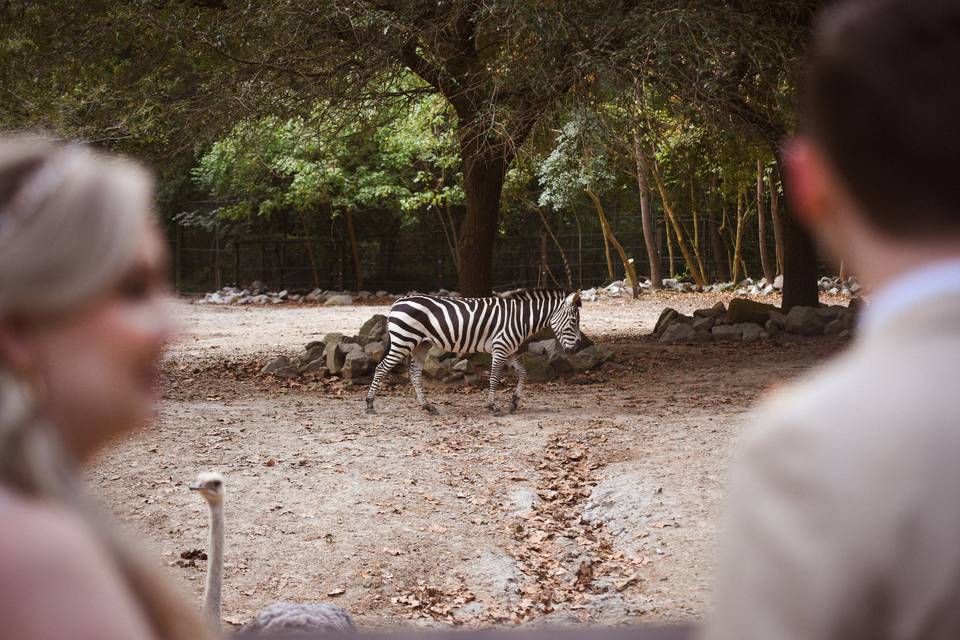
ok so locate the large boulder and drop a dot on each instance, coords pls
(313, 351)
(715, 311)
(548, 348)
(435, 364)
(677, 333)
(590, 358)
(728, 332)
(667, 317)
(316, 368)
(750, 332)
(746, 310)
(376, 351)
(703, 323)
(356, 364)
(374, 329)
(804, 321)
(280, 367)
(538, 367)
(334, 357)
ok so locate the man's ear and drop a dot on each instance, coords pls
(14, 350)
(811, 184)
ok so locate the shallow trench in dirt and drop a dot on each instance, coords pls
(595, 503)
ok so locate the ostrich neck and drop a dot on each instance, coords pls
(214, 587)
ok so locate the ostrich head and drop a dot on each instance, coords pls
(210, 486)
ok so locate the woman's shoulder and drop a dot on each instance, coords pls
(51, 562)
(36, 525)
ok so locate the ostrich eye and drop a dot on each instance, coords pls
(215, 484)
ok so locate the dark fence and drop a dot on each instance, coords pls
(585, 633)
(420, 258)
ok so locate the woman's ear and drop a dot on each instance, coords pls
(14, 346)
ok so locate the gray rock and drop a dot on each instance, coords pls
(356, 364)
(538, 367)
(728, 333)
(313, 296)
(746, 310)
(589, 358)
(667, 317)
(703, 324)
(750, 332)
(677, 333)
(778, 283)
(318, 368)
(434, 365)
(463, 366)
(700, 337)
(548, 348)
(715, 311)
(313, 351)
(376, 351)
(277, 364)
(778, 319)
(339, 300)
(334, 356)
(381, 294)
(834, 327)
(375, 328)
(804, 321)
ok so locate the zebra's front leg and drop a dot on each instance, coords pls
(416, 378)
(514, 362)
(496, 371)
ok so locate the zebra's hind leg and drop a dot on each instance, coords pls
(394, 355)
(514, 362)
(417, 357)
(496, 372)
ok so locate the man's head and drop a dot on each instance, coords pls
(875, 162)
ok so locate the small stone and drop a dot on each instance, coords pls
(339, 300)
(317, 368)
(715, 311)
(667, 316)
(778, 283)
(462, 366)
(778, 319)
(374, 328)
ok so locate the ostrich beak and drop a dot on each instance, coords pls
(195, 486)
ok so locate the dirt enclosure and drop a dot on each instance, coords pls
(595, 503)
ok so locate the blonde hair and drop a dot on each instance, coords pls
(69, 223)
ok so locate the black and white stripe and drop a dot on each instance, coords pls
(498, 326)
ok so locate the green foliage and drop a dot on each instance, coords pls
(402, 164)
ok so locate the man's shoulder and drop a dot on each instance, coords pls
(873, 405)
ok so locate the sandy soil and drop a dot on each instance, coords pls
(595, 503)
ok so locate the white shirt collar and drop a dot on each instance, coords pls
(920, 285)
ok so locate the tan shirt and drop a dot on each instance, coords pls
(844, 512)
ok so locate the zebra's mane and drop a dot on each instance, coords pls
(517, 294)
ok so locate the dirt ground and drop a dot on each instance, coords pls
(595, 503)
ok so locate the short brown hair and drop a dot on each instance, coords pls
(882, 99)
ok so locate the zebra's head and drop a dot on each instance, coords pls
(565, 322)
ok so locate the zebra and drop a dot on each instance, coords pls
(497, 325)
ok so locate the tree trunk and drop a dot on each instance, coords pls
(777, 221)
(556, 243)
(720, 259)
(483, 184)
(311, 256)
(608, 233)
(672, 266)
(355, 250)
(738, 242)
(646, 216)
(765, 262)
(691, 262)
(696, 222)
(799, 261)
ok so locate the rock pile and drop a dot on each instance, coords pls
(257, 294)
(748, 321)
(355, 357)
